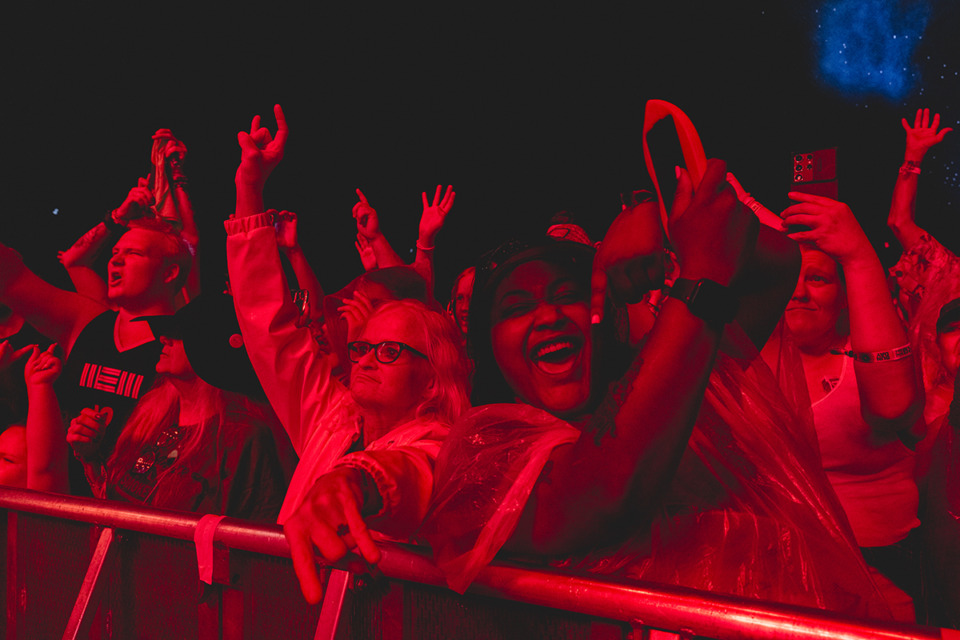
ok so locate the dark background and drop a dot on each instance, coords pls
(525, 109)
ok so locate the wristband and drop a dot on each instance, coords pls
(423, 248)
(876, 356)
(909, 166)
(706, 299)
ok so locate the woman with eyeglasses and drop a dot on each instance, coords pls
(366, 448)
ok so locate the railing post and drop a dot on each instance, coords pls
(93, 583)
(332, 608)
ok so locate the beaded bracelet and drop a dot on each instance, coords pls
(877, 356)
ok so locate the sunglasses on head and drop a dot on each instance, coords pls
(386, 352)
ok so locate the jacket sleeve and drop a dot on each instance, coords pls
(295, 374)
(403, 472)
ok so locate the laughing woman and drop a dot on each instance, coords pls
(643, 479)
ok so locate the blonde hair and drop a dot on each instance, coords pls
(173, 247)
(159, 409)
(447, 357)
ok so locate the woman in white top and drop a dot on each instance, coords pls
(862, 382)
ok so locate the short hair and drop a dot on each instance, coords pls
(448, 358)
(174, 249)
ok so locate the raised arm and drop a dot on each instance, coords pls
(890, 397)
(431, 221)
(656, 404)
(770, 274)
(367, 257)
(295, 374)
(59, 315)
(46, 442)
(920, 138)
(286, 226)
(260, 153)
(368, 225)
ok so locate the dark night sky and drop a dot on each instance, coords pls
(525, 111)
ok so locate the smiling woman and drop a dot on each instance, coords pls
(688, 467)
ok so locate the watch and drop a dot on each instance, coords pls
(706, 299)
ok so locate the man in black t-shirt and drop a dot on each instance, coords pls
(110, 359)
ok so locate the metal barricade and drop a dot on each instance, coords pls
(80, 568)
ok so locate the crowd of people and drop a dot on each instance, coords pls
(718, 397)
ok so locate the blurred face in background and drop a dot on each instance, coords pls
(173, 360)
(13, 457)
(948, 340)
(461, 299)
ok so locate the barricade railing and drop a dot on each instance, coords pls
(81, 568)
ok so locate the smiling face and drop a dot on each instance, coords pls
(399, 387)
(540, 336)
(138, 271)
(817, 303)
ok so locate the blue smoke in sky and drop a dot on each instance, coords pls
(866, 46)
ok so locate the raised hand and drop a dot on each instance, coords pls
(330, 521)
(43, 367)
(8, 355)
(285, 223)
(715, 233)
(367, 255)
(356, 311)
(366, 216)
(87, 430)
(261, 152)
(630, 260)
(923, 134)
(138, 203)
(434, 213)
(831, 226)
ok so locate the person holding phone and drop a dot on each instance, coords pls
(862, 384)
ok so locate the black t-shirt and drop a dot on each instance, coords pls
(98, 375)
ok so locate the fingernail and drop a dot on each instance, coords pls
(676, 171)
(595, 318)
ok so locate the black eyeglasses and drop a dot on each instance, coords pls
(386, 352)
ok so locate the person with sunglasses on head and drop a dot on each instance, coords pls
(367, 448)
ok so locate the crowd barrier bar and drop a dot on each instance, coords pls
(646, 608)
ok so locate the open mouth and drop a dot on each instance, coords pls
(113, 278)
(558, 355)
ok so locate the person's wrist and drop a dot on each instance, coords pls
(110, 222)
(705, 272)
(914, 155)
(860, 257)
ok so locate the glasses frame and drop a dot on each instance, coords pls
(376, 350)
